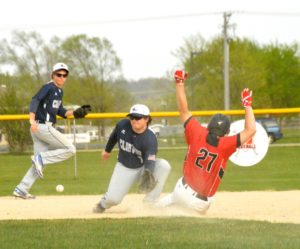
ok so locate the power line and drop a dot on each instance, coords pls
(117, 21)
(146, 19)
(258, 13)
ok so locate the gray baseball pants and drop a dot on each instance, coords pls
(53, 147)
(123, 178)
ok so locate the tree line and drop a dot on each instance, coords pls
(271, 71)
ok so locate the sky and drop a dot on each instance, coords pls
(145, 34)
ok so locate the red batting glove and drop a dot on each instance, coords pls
(180, 76)
(246, 97)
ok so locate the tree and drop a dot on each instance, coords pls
(25, 55)
(272, 72)
(91, 57)
(283, 75)
(17, 132)
(94, 67)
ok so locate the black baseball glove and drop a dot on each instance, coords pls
(82, 111)
(148, 182)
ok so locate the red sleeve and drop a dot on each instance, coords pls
(229, 145)
(193, 129)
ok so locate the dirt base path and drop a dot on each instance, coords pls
(272, 206)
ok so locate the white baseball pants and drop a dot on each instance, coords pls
(185, 196)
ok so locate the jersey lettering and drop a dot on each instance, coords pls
(56, 103)
(204, 154)
(128, 147)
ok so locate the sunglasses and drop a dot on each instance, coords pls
(135, 118)
(59, 75)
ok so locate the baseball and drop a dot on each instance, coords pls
(59, 188)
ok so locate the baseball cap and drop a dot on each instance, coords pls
(139, 110)
(219, 125)
(60, 66)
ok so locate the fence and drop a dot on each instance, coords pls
(93, 131)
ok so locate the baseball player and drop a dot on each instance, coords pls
(50, 146)
(208, 151)
(137, 160)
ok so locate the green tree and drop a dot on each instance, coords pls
(16, 132)
(283, 75)
(94, 66)
(95, 75)
(25, 54)
(247, 69)
(272, 72)
(94, 70)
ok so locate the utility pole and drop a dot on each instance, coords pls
(192, 77)
(226, 62)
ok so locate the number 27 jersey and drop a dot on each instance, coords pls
(205, 164)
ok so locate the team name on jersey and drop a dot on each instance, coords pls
(128, 147)
(56, 103)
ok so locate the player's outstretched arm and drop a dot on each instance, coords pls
(182, 104)
(250, 127)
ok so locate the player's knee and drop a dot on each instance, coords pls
(165, 165)
(72, 150)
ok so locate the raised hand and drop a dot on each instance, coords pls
(180, 76)
(246, 96)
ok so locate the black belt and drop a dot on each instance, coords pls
(201, 197)
(44, 122)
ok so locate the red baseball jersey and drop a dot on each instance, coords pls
(205, 164)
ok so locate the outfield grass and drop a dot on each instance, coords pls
(279, 170)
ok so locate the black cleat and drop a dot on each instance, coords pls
(98, 208)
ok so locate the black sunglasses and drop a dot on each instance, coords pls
(135, 118)
(59, 75)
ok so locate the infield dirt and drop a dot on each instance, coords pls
(272, 206)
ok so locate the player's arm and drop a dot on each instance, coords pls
(34, 104)
(69, 113)
(182, 104)
(110, 144)
(150, 145)
(250, 127)
(63, 112)
(32, 118)
(33, 124)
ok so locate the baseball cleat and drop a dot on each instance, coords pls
(98, 208)
(20, 194)
(38, 164)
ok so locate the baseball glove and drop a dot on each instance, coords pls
(82, 111)
(148, 182)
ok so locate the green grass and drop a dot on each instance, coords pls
(289, 136)
(277, 171)
(148, 233)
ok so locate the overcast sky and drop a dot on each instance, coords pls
(141, 35)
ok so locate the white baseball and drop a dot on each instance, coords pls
(59, 188)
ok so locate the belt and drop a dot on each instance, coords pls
(45, 122)
(201, 197)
